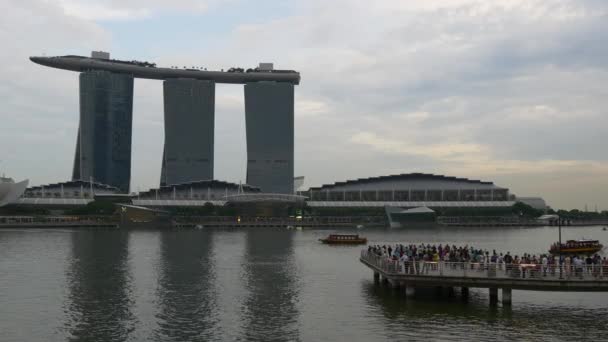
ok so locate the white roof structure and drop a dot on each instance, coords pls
(137, 207)
(10, 191)
(419, 210)
(298, 182)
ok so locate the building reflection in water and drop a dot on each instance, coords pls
(99, 301)
(186, 288)
(270, 277)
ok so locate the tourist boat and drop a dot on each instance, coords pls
(344, 239)
(582, 246)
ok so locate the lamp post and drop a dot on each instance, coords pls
(559, 246)
(559, 225)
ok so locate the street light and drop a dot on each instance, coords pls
(559, 225)
(559, 246)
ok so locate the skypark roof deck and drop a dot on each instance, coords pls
(150, 71)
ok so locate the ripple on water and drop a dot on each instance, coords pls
(261, 285)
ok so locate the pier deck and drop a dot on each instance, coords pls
(490, 275)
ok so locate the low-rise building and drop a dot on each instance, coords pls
(414, 188)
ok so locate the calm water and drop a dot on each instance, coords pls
(263, 285)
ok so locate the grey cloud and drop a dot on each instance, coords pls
(130, 9)
(39, 108)
(467, 68)
(475, 69)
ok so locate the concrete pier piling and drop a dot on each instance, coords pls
(493, 295)
(506, 296)
(464, 292)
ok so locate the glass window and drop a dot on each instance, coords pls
(418, 195)
(402, 195)
(353, 195)
(450, 195)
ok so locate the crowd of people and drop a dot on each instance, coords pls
(483, 258)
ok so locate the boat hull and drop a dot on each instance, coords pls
(576, 250)
(344, 242)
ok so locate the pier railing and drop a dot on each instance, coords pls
(550, 272)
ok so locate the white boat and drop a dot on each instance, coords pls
(11, 191)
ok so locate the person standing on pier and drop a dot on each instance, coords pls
(508, 261)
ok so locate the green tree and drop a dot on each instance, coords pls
(94, 208)
(525, 210)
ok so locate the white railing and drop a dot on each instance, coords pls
(488, 270)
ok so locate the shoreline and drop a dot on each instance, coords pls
(283, 225)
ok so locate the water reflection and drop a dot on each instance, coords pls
(452, 318)
(99, 300)
(271, 279)
(186, 292)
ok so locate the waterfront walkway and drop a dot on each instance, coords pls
(493, 276)
(56, 222)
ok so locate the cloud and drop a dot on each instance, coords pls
(39, 109)
(441, 151)
(311, 107)
(507, 90)
(129, 9)
(466, 158)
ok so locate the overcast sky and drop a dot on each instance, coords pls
(509, 91)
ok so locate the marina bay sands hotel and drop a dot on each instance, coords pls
(103, 147)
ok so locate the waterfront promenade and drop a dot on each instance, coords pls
(493, 276)
(76, 221)
(56, 222)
